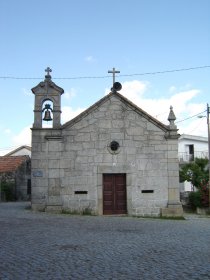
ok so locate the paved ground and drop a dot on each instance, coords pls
(49, 246)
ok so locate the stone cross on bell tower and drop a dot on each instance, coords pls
(48, 70)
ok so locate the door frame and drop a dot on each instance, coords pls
(114, 193)
(110, 169)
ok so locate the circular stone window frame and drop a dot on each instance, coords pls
(111, 151)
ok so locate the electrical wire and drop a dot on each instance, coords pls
(191, 117)
(201, 120)
(108, 76)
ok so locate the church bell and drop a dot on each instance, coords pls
(47, 113)
(47, 116)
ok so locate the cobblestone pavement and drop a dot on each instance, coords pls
(53, 246)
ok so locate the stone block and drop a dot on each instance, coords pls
(140, 138)
(103, 136)
(39, 183)
(173, 154)
(105, 123)
(172, 212)
(37, 147)
(54, 163)
(130, 150)
(152, 127)
(54, 200)
(39, 207)
(39, 163)
(52, 191)
(94, 136)
(161, 147)
(135, 131)
(54, 146)
(87, 152)
(54, 173)
(66, 163)
(53, 209)
(82, 137)
(117, 136)
(54, 182)
(118, 124)
(88, 145)
(174, 190)
(148, 150)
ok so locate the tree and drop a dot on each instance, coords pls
(195, 172)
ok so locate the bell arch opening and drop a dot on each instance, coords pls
(47, 113)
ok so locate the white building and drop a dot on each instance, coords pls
(189, 148)
(20, 151)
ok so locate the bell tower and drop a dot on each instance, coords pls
(47, 145)
(47, 105)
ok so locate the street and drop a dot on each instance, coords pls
(59, 246)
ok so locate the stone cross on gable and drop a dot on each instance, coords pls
(113, 71)
(48, 70)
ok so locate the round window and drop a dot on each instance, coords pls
(114, 145)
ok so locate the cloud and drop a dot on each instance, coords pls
(182, 102)
(69, 94)
(137, 91)
(90, 59)
(26, 92)
(172, 89)
(195, 127)
(23, 137)
(68, 113)
(133, 90)
(7, 131)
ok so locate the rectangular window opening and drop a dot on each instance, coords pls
(29, 186)
(147, 191)
(80, 192)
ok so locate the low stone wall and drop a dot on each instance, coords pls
(184, 199)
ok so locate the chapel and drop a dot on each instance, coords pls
(112, 159)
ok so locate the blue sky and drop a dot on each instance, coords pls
(86, 39)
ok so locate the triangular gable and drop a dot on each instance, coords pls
(125, 101)
(17, 150)
(39, 88)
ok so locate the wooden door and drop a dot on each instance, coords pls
(114, 194)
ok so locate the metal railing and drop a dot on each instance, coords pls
(186, 157)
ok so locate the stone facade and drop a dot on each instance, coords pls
(69, 161)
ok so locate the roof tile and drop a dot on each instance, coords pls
(10, 164)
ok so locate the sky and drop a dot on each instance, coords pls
(81, 40)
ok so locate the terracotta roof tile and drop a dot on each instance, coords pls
(11, 163)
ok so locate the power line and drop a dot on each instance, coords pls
(191, 117)
(196, 126)
(167, 71)
(108, 76)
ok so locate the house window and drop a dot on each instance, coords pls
(191, 152)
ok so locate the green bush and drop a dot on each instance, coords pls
(7, 190)
(195, 199)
